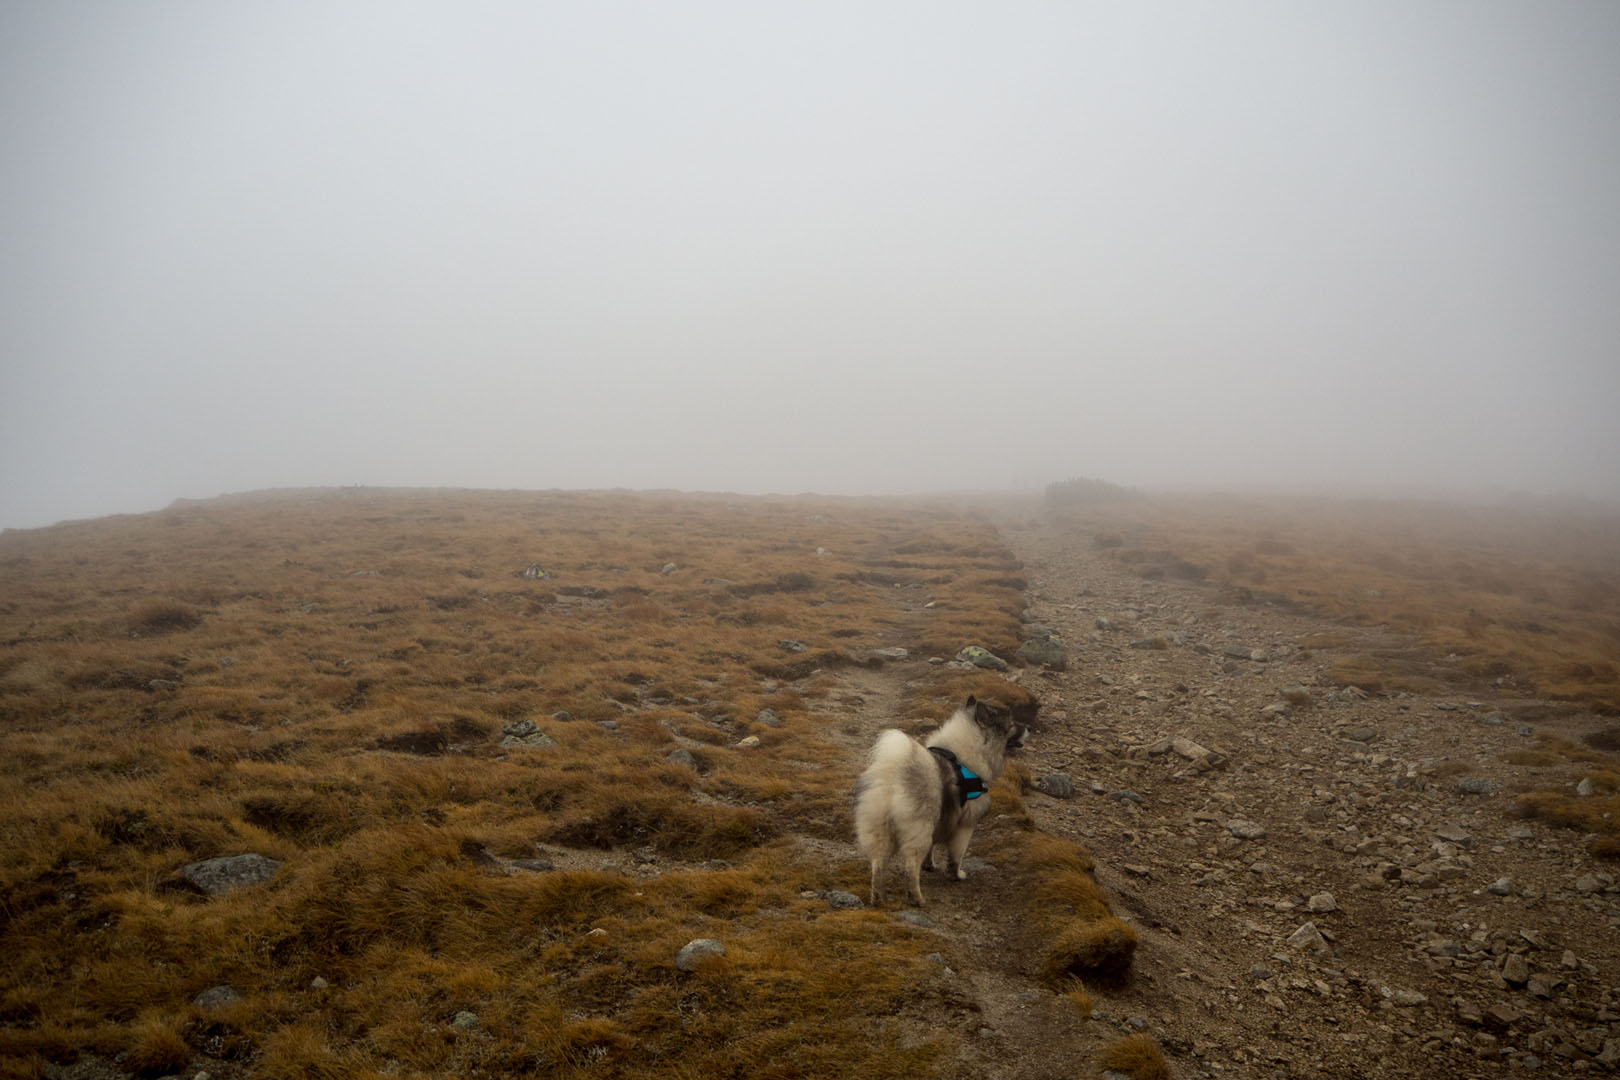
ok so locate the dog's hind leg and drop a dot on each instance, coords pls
(958, 849)
(913, 850)
(914, 879)
(879, 847)
(877, 881)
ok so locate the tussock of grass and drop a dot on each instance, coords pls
(1137, 1056)
(1081, 934)
(1598, 815)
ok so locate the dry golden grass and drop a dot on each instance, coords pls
(1530, 596)
(1137, 1056)
(324, 677)
(1081, 936)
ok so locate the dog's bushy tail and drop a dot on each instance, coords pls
(880, 786)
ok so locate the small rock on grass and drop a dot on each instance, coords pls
(979, 656)
(216, 877)
(839, 900)
(694, 953)
(216, 997)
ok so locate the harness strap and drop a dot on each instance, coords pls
(968, 784)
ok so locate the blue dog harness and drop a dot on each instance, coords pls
(968, 784)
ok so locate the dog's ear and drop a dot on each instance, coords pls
(971, 703)
(983, 714)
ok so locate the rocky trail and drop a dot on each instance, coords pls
(1326, 884)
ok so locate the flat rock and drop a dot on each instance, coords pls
(1245, 830)
(1478, 785)
(216, 877)
(981, 657)
(216, 997)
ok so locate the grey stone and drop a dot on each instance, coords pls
(1103, 623)
(1125, 795)
(839, 900)
(1500, 887)
(1298, 695)
(1058, 785)
(535, 865)
(1584, 788)
(668, 568)
(916, 918)
(769, 718)
(1588, 883)
(1321, 903)
(216, 997)
(1245, 830)
(216, 877)
(1492, 719)
(1360, 733)
(1045, 652)
(1478, 785)
(981, 657)
(538, 740)
(695, 952)
(682, 756)
(465, 1020)
(1307, 938)
(520, 728)
(1515, 970)
(790, 645)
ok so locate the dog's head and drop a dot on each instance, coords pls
(997, 722)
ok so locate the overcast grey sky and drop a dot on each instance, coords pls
(847, 247)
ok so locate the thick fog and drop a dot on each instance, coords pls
(843, 247)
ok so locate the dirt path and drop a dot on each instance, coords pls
(1327, 895)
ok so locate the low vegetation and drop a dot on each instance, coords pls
(492, 740)
(1525, 597)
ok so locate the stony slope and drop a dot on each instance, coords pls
(1341, 888)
